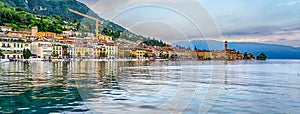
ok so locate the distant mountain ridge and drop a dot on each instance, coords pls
(273, 51)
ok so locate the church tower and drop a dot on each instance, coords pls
(226, 46)
(226, 50)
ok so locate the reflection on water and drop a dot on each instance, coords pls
(44, 87)
(38, 87)
(153, 87)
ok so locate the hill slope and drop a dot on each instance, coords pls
(22, 20)
(273, 51)
(60, 8)
(51, 7)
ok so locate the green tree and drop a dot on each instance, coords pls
(132, 55)
(261, 56)
(1, 53)
(174, 56)
(246, 57)
(86, 54)
(103, 55)
(78, 54)
(164, 56)
(54, 54)
(27, 53)
(146, 55)
(126, 54)
(66, 53)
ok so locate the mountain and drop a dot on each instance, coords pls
(60, 8)
(53, 7)
(273, 51)
(19, 19)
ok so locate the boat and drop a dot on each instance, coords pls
(13, 59)
(4, 60)
(46, 59)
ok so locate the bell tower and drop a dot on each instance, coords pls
(226, 46)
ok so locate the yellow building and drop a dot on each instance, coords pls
(150, 52)
(203, 54)
(139, 53)
(231, 54)
(13, 47)
(104, 37)
(124, 52)
(99, 52)
(218, 54)
(80, 52)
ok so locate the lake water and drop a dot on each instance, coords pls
(189, 87)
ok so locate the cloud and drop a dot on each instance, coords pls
(280, 37)
(253, 20)
(289, 3)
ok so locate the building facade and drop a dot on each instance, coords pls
(13, 47)
(111, 51)
(42, 49)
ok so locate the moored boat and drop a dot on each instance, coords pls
(13, 59)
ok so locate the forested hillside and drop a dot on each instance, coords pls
(54, 16)
(53, 8)
(19, 19)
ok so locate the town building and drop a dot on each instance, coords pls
(57, 50)
(5, 28)
(80, 51)
(19, 33)
(111, 51)
(99, 52)
(203, 54)
(13, 47)
(139, 53)
(42, 49)
(124, 51)
(104, 37)
(34, 31)
(218, 54)
(49, 35)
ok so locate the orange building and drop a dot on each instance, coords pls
(49, 35)
(19, 33)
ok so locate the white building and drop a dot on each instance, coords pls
(5, 28)
(111, 51)
(42, 49)
(58, 50)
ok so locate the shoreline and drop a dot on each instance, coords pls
(62, 60)
(41, 59)
(55, 60)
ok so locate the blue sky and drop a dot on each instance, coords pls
(266, 21)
